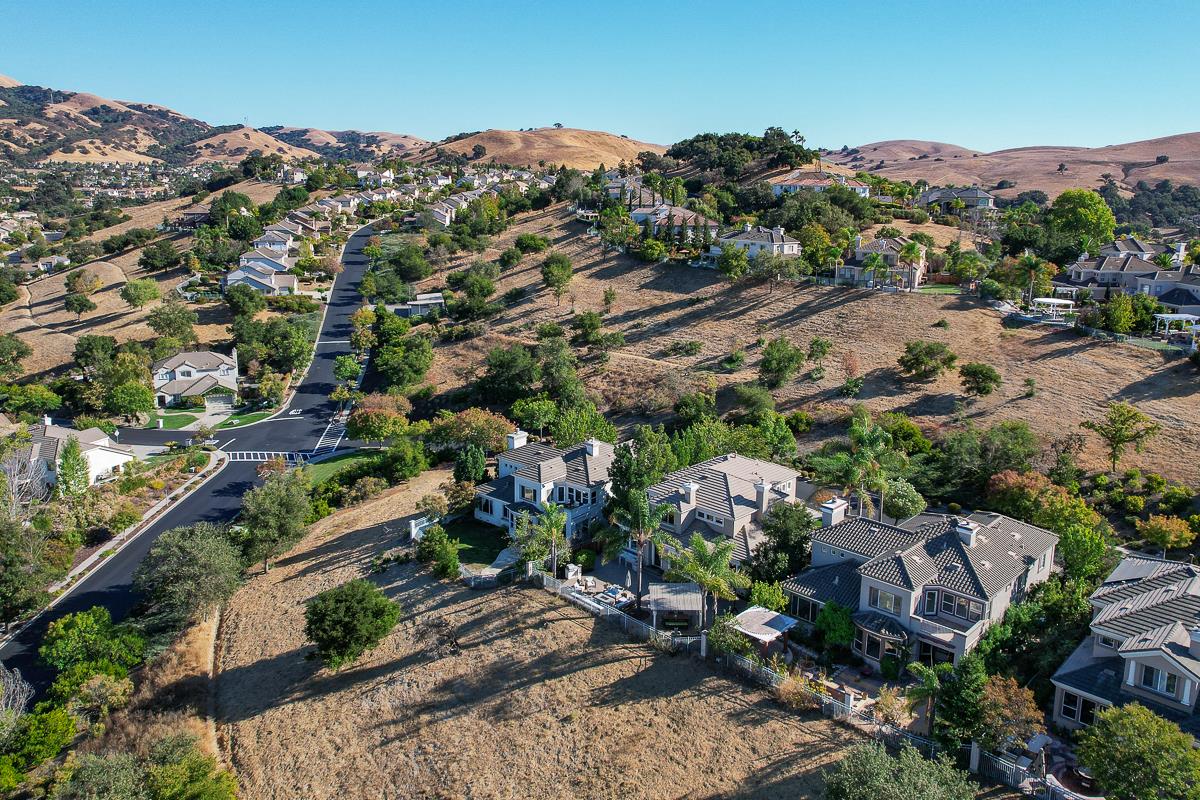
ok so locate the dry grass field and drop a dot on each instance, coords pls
(506, 693)
(38, 316)
(658, 305)
(570, 146)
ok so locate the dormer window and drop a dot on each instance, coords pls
(1107, 642)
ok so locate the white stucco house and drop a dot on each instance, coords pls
(198, 377)
(104, 456)
(755, 240)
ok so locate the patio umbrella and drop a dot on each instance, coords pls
(628, 580)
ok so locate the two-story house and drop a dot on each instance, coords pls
(943, 200)
(675, 219)
(531, 474)
(807, 180)
(200, 377)
(105, 457)
(1144, 646)
(902, 272)
(274, 241)
(755, 240)
(925, 589)
(722, 498)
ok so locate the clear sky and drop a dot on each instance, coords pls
(986, 75)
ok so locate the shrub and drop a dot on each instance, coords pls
(293, 304)
(365, 488)
(39, 736)
(652, 250)
(1175, 499)
(852, 387)
(800, 693)
(123, 517)
(688, 348)
(510, 257)
(1135, 503)
(515, 295)
(586, 559)
(925, 360)
(734, 361)
(1155, 483)
(799, 422)
(427, 548)
(550, 330)
(531, 243)
(346, 621)
(942, 323)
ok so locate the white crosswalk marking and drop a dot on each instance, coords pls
(264, 455)
(331, 437)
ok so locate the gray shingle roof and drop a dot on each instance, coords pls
(758, 234)
(726, 483)
(200, 359)
(866, 537)
(836, 583)
(1144, 612)
(544, 464)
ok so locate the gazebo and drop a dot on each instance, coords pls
(1053, 307)
(1163, 322)
(675, 605)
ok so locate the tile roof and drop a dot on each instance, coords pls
(545, 464)
(198, 359)
(890, 246)
(1140, 613)
(726, 483)
(758, 234)
(866, 537)
(1132, 244)
(837, 583)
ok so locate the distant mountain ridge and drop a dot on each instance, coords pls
(1030, 168)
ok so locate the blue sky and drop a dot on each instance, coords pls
(985, 75)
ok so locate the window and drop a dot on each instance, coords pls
(1070, 706)
(1170, 683)
(961, 607)
(528, 494)
(885, 601)
(1105, 641)
(1149, 677)
(485, 505)
(931, 602)
(804, 609)
(1078, 708)
(185, 373)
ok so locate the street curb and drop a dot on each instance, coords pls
(89, 565)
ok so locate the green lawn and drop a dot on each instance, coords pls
(481, 543)
(939, 288)
(238, 420)
(171, 422)
(323, 470)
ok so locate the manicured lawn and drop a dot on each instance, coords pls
(481, 543)
(171, 422)
(238, 420)
(324, 470)
(939, 288)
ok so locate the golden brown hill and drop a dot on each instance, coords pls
(1032, 167)
(351, 144)
(570, 146)
(237, 144)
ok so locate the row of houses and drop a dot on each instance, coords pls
(1131, 266)
(483, 183)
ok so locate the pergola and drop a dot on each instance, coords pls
(1163, 322)
(1053, 307)
(675, 603)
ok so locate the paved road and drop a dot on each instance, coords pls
(219, 499)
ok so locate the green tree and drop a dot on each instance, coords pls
(535, 413)
(960, 700)
(1083, 216)
(130, 399)
(868, 770)
(470, 464)
(173, 319)
(780, 360)
(769, 596)
(556, 274)
(641, 520)
(346, 368)
(139, 292)
(706, 565)
(581, 421)
(72, 478)
(33, 398)
(274, 516)
(818, 350)
(928, 688)
(348, 620)
(542, 541)
(835, 625)
(189, 571)
(1118, 314)
(1137, 755)
(902, 500)
(12, 352)
(1167, 533)
(93, 352)
(89, 636)
(1008, 713)
(510, 374)
(244, 301)
(733, 263)
(78, 304)
(925, 360)
(1123, 425)
(979, 379)
(159, 256)
(786, 544)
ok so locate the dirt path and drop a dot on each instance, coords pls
(507, 693)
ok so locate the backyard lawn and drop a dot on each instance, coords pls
(939, 288)
(171, 422)
(324, 470)
(480, 543)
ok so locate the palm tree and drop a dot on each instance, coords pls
(705, 565)
(833, 255)
(928, 688)
(641, 520)
(867, 464)
(909, 254)
(876, 266)
(1031, 265)
(845, 240)
(957, 205)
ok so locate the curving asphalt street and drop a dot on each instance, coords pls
(217, 500)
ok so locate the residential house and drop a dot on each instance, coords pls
(192, 217)
(370, 177)
(943, 200)
(1131, 245)
(724, 498)
(676, 218)
(1143, 646)
(900, 273)
(262, 280)
(755, 240)
(924, 589)
(275, 241)
(807, 180)
(530, 474)
(420, 306)
(104, 456)
(196, 378)
(267, 259)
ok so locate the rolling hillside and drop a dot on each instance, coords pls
(570, 146)
(354, 145)
(1031, 167)
(236, 144)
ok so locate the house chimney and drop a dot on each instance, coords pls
(746, 227)
(689, 490)
(761, 490)
(1180, 253)
(967, 531)
(517, 438)
(833, 511)
(591, 446)
(1082, 257)
(858, 241)
(777, 230)
(46, 420)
